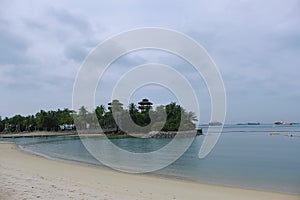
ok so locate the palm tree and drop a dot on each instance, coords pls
(116, 108)
(82, 111)
(191, 117)
(132, 109)
(100, 111)
(81, 118)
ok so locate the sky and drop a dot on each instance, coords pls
(255, 44)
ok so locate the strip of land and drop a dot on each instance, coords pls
(37, 134)
(26, 176)
(153, 134)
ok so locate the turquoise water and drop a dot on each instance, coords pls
(245, 156)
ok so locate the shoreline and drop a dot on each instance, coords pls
(113, 184)
(159, 134)
(164, 176)
(38, 134)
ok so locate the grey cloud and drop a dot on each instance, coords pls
(66, 18)
(13, 47)
(33, 24)
(77, 53)
(254, 43)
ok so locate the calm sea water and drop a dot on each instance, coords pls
(245, 156)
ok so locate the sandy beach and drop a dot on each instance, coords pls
(26, 176)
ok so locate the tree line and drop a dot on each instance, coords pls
(41, 121)
(164, 118)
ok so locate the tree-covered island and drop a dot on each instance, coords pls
(113, 119)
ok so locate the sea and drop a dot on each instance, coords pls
(245, 156)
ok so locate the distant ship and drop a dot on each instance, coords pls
(253, 123)
(242, 124)
(279, 122)
(215, 124)
(249, 123)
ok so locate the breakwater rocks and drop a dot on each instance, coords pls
(172, 134)
(112, 135)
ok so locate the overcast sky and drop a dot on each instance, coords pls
(255, 44)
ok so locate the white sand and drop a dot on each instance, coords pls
(25, 176)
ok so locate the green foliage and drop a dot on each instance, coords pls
(43, 121)
(164, 118)
(1, 124)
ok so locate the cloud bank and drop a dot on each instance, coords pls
(256, 45)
